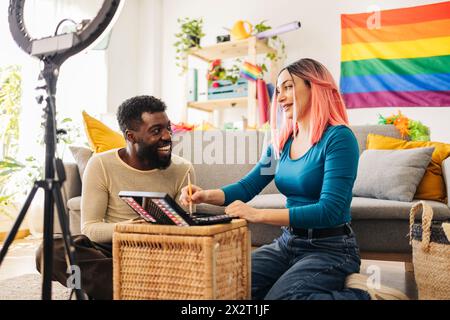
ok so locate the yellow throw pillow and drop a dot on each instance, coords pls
(100, 137)
(432, 186)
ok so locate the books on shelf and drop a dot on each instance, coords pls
(192, 79)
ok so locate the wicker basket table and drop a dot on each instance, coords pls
(171, 262)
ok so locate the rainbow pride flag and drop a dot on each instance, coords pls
(403, 61)
(250, 71)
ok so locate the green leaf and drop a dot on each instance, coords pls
(188, 28)
(4, 199)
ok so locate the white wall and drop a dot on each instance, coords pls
(134, 55)
(150, 44)
(81, 84)
(122, 57)
(141, 56)
(319, 38)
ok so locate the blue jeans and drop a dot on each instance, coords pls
(297, 268)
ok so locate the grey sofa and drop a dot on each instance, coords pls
(220, 158)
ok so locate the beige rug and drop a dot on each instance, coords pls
(28, 287)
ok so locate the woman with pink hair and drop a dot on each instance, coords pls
(313, 159)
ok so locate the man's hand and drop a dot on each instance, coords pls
(244, 211)
(198, 195)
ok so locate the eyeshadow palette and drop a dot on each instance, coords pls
(160, 208)
(138, 208)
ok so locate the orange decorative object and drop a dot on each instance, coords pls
(400, 121)
(205, 126)
(177, 127)
(239, 30)
(402, 124)
(407, 127)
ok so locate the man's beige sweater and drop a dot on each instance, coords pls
(107, 174)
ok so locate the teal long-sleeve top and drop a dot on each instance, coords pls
(318, 185)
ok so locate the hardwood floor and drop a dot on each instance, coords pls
(20, 260)
(392, 274)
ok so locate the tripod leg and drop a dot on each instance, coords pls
(47, 263)
(68, 242)
(16, 226)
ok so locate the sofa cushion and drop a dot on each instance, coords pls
(263, 201)
(72, 185)
(361, 208)
(361, 133)
(391, 174)
(224, 175)
(100, 137)
(221, 157)
(263, 233)
(81, 156)
(382, 236)
(379, 217)
(215, 176)
(377, 209)
(432, 186)
(268, 201)
(208, 208)
(210, 152)
(74, 204)
(371, 235)
(75, 222)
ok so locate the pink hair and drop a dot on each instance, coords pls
(327, 105)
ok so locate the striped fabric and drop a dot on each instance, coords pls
(250, 71)
(402, 62)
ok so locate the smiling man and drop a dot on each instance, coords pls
(145, 164)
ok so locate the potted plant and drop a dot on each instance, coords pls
(10, 94)
(8, 167)
(217, 72)
(189, 36)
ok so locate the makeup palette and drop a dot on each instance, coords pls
(160, 208)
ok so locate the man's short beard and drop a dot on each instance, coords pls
(149, 153)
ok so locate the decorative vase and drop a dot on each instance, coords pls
(194, 40)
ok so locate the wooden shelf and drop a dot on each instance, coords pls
(212, 105)
(230, 49)
(249, 48)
